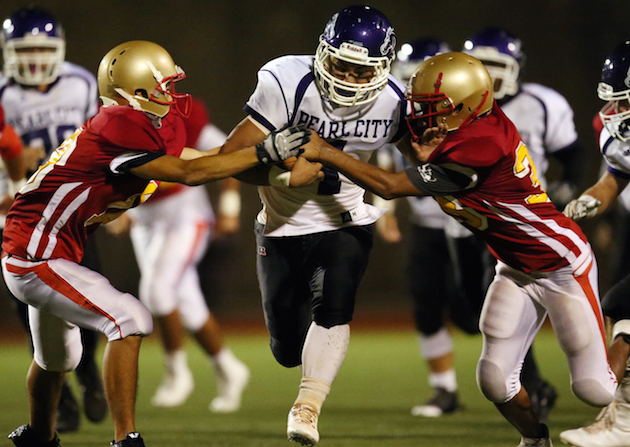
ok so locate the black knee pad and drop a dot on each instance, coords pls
(287, 354)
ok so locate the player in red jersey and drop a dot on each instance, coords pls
(470, 157)
(108, 166)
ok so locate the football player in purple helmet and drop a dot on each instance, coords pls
(33, 47)
(313, 242)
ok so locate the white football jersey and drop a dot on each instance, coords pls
(286, 93)
(48, 118)
(617, 157)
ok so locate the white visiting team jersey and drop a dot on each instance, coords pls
(287, 94)
(48, 118)
(617, 156)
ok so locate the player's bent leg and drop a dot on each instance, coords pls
(578, 323)
(285, 302)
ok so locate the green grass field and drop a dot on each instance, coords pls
(382, 378)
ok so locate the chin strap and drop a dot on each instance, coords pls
(133, 102)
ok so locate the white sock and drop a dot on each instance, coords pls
(176, 361)
(446, 380)
(221, 361)
(313, 393)
(436, 345)
(324, 351)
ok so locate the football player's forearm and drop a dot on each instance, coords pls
(207, 169)
(370, 177)
(606, 190)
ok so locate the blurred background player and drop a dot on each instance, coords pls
(436, 297)
(612, 427)
(313, 242)
(544, 119)
(11, 166)
(170, 234)
(45, 100)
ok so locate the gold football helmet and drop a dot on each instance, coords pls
(452, 88)
(142, 74)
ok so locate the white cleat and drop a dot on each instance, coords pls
(231, 388)
(610, 429)
(174, 389)
(302, 425)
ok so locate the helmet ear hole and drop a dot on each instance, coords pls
(142, 92)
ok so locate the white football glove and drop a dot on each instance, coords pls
(583, 206)
(282, 144)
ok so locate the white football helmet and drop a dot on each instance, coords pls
(33, 47)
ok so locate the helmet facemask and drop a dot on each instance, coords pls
(344, 93)
(615, 121)
(34, 60)
(503, 69)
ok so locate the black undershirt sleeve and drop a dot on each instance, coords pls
(134, 160)
(439, 180)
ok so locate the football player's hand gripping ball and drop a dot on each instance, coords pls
(282, 144)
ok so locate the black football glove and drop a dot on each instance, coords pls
(282, 144)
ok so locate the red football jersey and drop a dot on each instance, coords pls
(505, 204)
(86, 182)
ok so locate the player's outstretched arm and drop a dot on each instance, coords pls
(275, 147)
(596, 199)
(388, 185)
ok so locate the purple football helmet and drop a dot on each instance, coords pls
(33, 46)
(502, 56)
(614, 87)
(414, 52)
(358, 35)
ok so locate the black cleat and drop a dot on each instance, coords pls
(68, 417)
(443, 402)
(94, 402)
(24, 436)
(543, 401)
(133, 440)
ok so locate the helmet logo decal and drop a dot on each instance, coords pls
(438, 82)
(627, 80)
(329, 31)
(389, 43)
